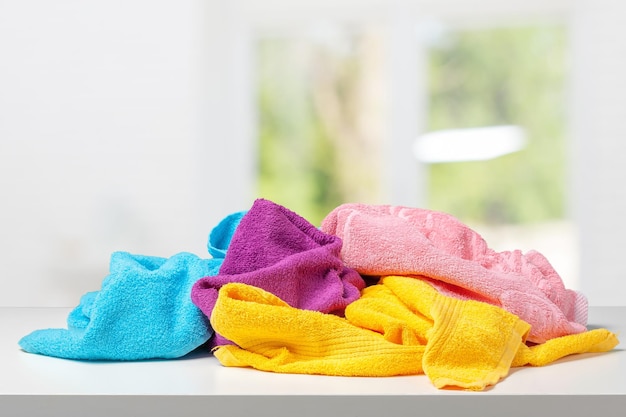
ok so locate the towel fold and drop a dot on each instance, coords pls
(469, 344)
(457, 343)
(401, 326)
(142, 311)
(393, 240)
(275, 249)
(592, 341)
(222, 234)
(273, 336)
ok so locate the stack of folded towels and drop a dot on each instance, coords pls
(377, 290)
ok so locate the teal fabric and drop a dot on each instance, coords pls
(143, 311)
(221, 235)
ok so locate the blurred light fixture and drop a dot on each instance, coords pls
(472, 144)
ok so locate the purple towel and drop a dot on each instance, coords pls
(275, 249)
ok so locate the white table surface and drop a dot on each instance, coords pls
(32, 385)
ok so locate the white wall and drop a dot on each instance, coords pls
(107, 129)
(128, 125)
(598, 123)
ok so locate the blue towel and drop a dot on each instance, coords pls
(143, 311)
(221, 235)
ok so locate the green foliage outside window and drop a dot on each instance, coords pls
(296, 157)
(495, 77)
(476, 78)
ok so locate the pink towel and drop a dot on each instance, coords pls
(393, 240)
(280, 252)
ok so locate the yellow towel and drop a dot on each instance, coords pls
(381, 337)
(469, 344)
(456, 326)
(272, 336)
(402, 326)
(592, 341)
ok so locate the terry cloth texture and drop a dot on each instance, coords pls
(401, 326)
(273, 336)
(458, 343)
(275, 249)
(469, 344)
(592, 341)
(221, 235)
(142, 311)
(462, 350)
(394, 240)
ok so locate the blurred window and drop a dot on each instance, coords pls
(320, 118)
(323, 123)
(492, 77)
